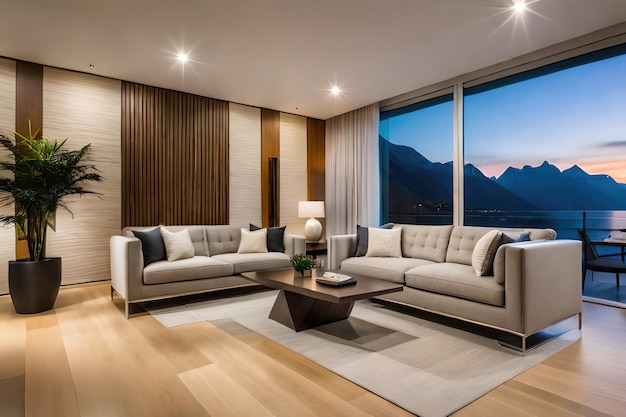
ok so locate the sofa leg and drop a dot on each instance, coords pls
(580, 320)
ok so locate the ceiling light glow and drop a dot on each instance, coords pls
(182, 57)
(519, 7)
(335, 90)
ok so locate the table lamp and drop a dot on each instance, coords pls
(312, 228)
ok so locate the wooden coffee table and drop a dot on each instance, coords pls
(303, 303)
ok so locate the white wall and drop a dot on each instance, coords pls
(86, 109)
(245, 165)
(7, 126)
(293, 171)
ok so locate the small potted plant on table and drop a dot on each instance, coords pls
(303, 264)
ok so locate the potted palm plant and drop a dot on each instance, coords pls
(39, 174)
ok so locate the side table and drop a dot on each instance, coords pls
(318, 250)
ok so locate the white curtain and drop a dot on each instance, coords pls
(352, 171)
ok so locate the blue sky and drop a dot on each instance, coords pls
(574, 116)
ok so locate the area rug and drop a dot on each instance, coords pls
(426, 368)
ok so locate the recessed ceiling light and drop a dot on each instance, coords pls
(182, 57)
(335, 90)
(519, 7)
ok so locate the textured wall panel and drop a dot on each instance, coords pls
(293, 170)
(86, 109)
(245, 165)
(7, 126)
(175, 157)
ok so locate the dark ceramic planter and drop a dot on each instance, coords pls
(34, 285)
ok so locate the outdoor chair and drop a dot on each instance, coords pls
(594, 262)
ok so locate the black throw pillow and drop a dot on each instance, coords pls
(151, 245)
(275, 237)
(362, 238)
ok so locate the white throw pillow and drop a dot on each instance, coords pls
(485, 251)
(253, 242)
(177, 244)
(384, 242)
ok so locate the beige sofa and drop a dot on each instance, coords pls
(215, 264)
(534, 284)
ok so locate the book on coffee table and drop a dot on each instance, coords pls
(336, 279)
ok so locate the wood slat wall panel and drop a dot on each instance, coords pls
(85, 109)
(175, 157)
(7, 125)
(316, 159)
(245, 165)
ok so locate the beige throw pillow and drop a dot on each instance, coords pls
(485, 251)
(253, 242)
(177, 245)
(384, 243)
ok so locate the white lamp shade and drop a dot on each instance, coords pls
(310, 209)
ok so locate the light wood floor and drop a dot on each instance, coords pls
(85, 359)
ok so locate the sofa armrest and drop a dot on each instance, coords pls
(294, 244)
(543, 281)
(126, 265)
(340, 247)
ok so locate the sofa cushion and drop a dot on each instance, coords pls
(245, 262)
(381, 268)
(151, 245)
(177, 244)
(198, 267)
(362, 238)
(457, 280)
(253, 242)
(425, 242)
(222, 239)
(384, 243)
(462, 242)
(484, 252)
(275, 237)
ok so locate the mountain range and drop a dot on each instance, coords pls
(418, 185)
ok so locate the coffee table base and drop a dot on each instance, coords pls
(300, 312)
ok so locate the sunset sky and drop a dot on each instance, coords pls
(575, 116)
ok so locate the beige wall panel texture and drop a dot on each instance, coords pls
(245, 165)
(293, 175)
(7, 126)
(86, 109)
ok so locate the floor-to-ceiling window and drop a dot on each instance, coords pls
(416, 146)
(541, 148)
(548, 147)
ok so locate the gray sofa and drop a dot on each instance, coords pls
(533, 284)
(215, 264)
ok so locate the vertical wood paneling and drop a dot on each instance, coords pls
(85, 109)
(7, 125)
(245, 165)
(293, 164)
(175, 158)
(29, 96)
(270, 148)
(316, 159)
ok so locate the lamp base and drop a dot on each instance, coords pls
(313, 230)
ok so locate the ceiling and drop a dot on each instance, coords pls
(286, 54)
